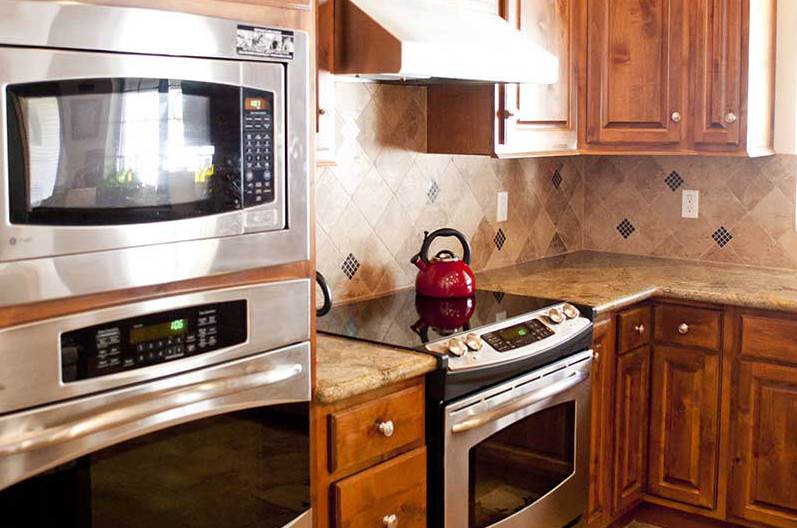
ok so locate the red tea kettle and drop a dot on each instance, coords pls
(444, 276)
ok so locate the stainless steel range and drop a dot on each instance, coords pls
(508, 408)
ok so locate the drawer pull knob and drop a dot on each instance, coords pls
(676, 117)
(639, 329)
(683, 328)
(730, 117)
(386, 428)
(390, 521)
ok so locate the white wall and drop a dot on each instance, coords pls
(786, 81)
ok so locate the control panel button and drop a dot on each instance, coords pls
(570, 311)
(457, 347)
(474, 342)
(556, 315)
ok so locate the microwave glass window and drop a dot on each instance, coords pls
(121, 150)
(517, 466)
(244, 469)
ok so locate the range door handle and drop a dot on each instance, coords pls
(534, 397)
(141, 407)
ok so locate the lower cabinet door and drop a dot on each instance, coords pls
(598, 511)
(684, 409)
(391, 494)
(764, 478)
(630, 429)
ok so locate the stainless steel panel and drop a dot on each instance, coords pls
(22, 242)
(89, 424)
(278, 315)
(565, 502)
(62, 25)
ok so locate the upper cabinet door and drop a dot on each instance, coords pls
(637, 80)
(541, 117)
(717, 76)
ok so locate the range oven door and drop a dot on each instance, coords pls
(516, 455)
(226, 445)
(102, 151)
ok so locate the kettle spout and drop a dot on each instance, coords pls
(419, 262)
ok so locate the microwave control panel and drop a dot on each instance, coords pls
(151, 339)
(257, 143)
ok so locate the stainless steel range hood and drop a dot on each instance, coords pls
(433, 41)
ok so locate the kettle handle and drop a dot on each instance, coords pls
(445, 232)
(322, 283)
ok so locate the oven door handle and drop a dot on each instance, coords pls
(139, 408)
(537, 396)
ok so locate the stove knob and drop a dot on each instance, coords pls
(570, 311)
(457, 347)
(556, 315)
(474, 342)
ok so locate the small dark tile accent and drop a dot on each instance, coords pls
(557, 179)
(500, 239)
(498, 296)
(625, 228)
(350, 266)
(433, 192)
(722, 236)
(674, 181)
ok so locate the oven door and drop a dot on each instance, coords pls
(104, 151)
(518, 452)
(225, 446)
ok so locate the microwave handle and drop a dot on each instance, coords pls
(534, 397)
(142, 407)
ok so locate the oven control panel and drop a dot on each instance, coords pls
(151, 339)
(258, 146)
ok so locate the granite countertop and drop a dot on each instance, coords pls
(346, 367)
(608, 281)
(605, 281)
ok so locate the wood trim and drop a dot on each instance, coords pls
(25, 313)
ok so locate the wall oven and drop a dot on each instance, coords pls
(153, 135)
(190, 410)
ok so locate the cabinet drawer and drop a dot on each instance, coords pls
(769, 338)
(633, 328)
(685, 325)
(369, 432)
(393, 490)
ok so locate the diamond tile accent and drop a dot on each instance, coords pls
(722, 236)
(498, 296)
(434, 192)
(557, 179)
(626, 228)
(350, 266)
(500, 239)
(674, 181)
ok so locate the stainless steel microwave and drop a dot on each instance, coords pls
(140, 147)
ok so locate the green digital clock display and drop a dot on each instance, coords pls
(174, 328)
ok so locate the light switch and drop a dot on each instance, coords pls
(502, 210)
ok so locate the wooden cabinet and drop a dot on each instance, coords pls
(636, 78)
(514, 120)
(369, 459)
(684, 425)
(599, 509)
(764, 474)
(630, 421)
(685, 76)
(634, 328)
(688, 326)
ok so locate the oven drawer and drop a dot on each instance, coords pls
(688, 326)
(633, 328)
(392, 494)
(376, 429)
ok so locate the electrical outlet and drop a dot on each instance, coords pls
(690, 204)
(502, 210)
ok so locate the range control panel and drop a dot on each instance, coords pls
(258, 146)
(518, 335)
(151, 339)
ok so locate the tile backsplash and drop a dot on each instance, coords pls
(373, 207)
(746, 208)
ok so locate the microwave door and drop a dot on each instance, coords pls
(109, 152)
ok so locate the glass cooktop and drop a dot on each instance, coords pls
(405, 320)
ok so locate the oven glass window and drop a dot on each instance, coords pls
(520, 464)
(104, 151)
(247, 469)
